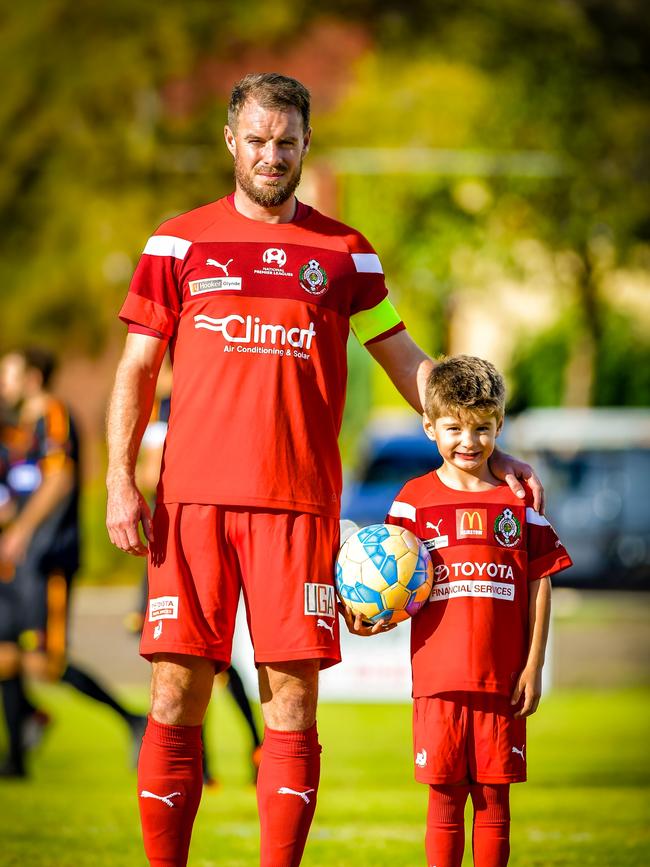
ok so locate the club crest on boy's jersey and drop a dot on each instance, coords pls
(507, 529)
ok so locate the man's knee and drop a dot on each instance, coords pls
(289, 694)
(181, 687)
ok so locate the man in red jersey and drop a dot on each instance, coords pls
(255, 295)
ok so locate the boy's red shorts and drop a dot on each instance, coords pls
(202, 555)
(468, 736)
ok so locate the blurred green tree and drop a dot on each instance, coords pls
(569, 81)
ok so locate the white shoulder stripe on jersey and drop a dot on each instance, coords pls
(534, 517)
(167, 245)
(367, 263)
(402, 510)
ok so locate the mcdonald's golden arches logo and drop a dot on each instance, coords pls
(471, 523)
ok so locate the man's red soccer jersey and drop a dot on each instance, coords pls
(486, 547)
(258, 315)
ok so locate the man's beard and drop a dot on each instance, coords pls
(269, 196)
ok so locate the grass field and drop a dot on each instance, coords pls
(587, 802)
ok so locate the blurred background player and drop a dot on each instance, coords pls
(147, 475)
(39, 546)
(488, 617)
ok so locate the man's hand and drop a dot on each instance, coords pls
(126, 509)
(356, 626)
(529, 685)
(511, 470)
(14, 543)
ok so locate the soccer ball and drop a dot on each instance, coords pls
(384, 571)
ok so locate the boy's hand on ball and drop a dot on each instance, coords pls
(357, 626)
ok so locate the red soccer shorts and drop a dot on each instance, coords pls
(468, 736)
(203, 555)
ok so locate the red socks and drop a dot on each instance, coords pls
(287, 786)
(491, 836)
(445, 839)
(169, 790)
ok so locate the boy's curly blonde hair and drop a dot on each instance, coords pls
(463, 385)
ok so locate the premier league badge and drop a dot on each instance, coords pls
(507, 529)
(312, 278)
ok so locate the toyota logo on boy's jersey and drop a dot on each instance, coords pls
(440, 573)
(274, 256)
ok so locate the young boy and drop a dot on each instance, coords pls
(478, 647)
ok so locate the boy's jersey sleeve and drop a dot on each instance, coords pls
(372, 315)
(402, 513)
(154, 299)
(546, 553)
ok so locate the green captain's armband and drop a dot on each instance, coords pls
(368, 324)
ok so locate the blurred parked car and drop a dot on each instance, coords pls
(595, 465)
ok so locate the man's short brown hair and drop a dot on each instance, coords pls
(271, 90)
(463, 385)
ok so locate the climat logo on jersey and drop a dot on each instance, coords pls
(257, 335)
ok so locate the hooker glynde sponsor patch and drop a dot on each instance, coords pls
(214, 284)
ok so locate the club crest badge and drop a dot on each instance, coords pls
(312, 278)
(507, 529)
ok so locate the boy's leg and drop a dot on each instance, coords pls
(499, 756)
(440, 761)
(491, 832)
(287, 785)
(445, 838)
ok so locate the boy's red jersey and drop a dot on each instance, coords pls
(258, 315)
(486, 547)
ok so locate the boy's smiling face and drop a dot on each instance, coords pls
(465, 442)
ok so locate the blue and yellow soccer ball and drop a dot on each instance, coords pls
(384, 572)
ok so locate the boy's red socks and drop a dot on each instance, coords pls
(287, 786)
(445, 839)
(491, 835)
(170, 781)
